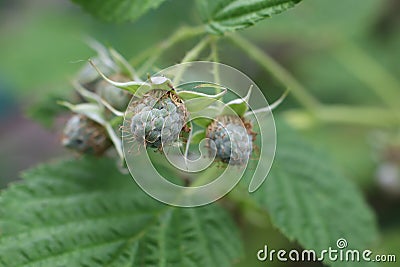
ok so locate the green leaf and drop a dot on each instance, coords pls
(118, 10)
(229, 15)
(131, 86)
(310, 200)
(198, 136)
(268, 108)
(89, 96)
(204, 117)
(91, 110)
(94, 98)
(86, 213)
(197, 101)
(237, 106)
(189, 95)
(202, 122)
(116, 140)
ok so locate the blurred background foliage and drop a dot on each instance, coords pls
(324, 44)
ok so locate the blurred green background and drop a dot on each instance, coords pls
(343, 52)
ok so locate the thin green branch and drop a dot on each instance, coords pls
(154, 52)
(191, 55)
(215, 58)
(194, 53)
(370, 72)
(214, 55)
(341, 114)
(280, 73)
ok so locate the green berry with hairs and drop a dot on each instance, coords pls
(158, 118)
(85, 136)
(231, 139)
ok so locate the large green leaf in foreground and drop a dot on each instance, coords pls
(311, 202)
(85, 213)
(229, 15)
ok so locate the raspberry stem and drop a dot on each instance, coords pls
(354, 59)
(155, 52)
(271, 66)
(191, 55)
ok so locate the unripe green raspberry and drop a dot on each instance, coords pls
(158, 118)
(115, 96)
(85, 136)
(231, 139)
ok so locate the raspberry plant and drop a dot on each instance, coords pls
(86, 212)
